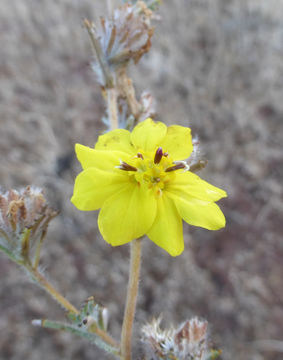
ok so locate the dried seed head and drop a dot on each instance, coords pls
(24, 214)
(191, 338)
(127, 35)
(189, 341)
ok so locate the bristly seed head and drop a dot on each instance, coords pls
(158, 155)
(189, 341)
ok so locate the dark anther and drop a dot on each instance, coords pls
(165, 154)
(84, 321)
(178, 166)
(139, 155)
(158, 155)
(126, 167)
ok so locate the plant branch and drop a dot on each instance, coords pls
(99, 53)
(112, 108)
(127, 90)
(9, 253)
(106, 338)
(94, 338)
(40, 280)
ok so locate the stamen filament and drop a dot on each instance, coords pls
(124, 166)
(177, 166)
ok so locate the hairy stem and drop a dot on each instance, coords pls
(112, 108)
(7, 251)
(126, 88)
(106, 338)
(108, 78)
(100, 341)
(40, 280)
(132, 293)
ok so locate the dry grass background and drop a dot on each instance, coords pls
(216, 65)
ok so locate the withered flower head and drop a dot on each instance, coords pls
(127, 35)
(189, 341)
(24, 217)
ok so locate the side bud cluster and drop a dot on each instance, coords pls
(24, 218)
(92, 316)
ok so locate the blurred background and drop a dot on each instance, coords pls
(216, 66)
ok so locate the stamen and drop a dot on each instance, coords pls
(139, 155)
(178, 165)
(124, 166)
(158, 155)
(165, 154)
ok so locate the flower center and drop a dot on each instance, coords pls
(153, 170)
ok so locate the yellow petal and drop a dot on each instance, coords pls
(104, 160)
(167, 229)
(199, 213)
(178, 142)
(94, 186)
(191, 184)
(148, 134)
(118, 140)
(127, 215)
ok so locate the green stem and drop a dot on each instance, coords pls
(132, 293)
(9, 253)
(94, 338)
(40, 280)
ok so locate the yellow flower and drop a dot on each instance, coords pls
(141, 187)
